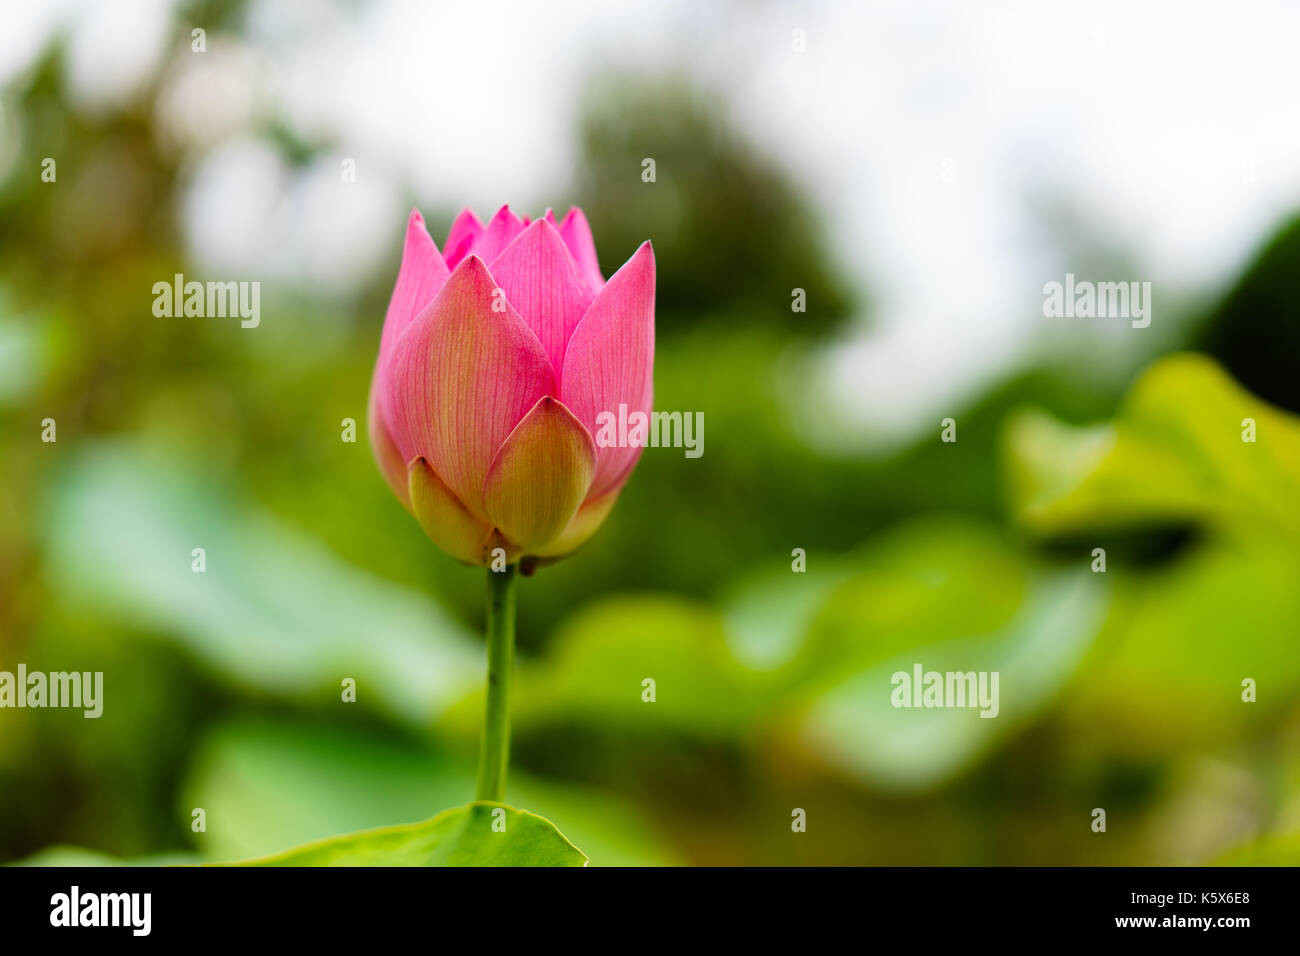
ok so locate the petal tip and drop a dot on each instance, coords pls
(471, 263)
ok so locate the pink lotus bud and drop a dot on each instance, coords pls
(495, 359)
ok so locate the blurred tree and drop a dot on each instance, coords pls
(1255, 329)
(730, 228)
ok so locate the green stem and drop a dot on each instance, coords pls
(494, 755)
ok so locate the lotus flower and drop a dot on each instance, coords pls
(495, 359)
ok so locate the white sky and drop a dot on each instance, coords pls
(922, 130)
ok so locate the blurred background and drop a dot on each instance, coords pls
(920, 170)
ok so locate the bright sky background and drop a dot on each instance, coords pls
(924, 131)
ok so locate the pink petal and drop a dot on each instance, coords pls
(540, 475)
(576, 234)
(464, 232)
(500, 232)
(463, 376)
(610, 360)
(421, 275)
(386, 451)
(538, 276)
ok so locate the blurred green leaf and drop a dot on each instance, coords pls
(769, 611)
(23, 357)
(1173, 659)
(273, 610)
(1174, 452)
(950, 593)
(1182, 641)
(855, 727)
(79, 856)
(472, 835)
(1283, 850)
(269, 786)
(924, 581)
(602, 656)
